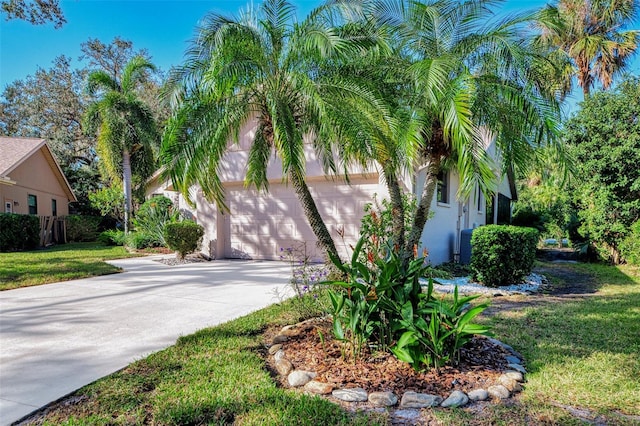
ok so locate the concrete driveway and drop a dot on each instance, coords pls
(58, 337)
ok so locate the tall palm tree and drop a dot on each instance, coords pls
(589, 34)
(126, 130)
(261, 66)
(468, 71)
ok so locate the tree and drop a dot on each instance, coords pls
(36, 12)
(126, 130)
(261, 66)
(589, 34)
(466, 72)
(605, 140)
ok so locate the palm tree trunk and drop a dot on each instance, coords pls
(126, 182)
(325, 242)
(397, 207)
(424, 206)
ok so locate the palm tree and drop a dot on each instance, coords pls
(126, 130)
(468, 72)
(262, 66)
(589, 34)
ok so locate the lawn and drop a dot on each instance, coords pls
(59, 263)
(581, 352)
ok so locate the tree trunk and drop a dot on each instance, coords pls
(126, 183)
(424, 206)
(325, 242)
(397, 206)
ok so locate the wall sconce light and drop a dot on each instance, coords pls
(15, 203)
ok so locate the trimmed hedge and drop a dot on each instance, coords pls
(19, 232)
(502, 254)
(183, 237)
(83, 228)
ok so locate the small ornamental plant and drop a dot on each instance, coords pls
(183, 237)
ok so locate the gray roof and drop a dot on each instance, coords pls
(13, 151)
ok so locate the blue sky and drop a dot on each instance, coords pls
(163, 27)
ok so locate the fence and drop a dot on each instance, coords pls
(53, 229)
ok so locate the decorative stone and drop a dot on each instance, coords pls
(383, 399)
(509, 383)
(318, 388)
(278, 355)
(456, 399)
(410, 416)
(499, 391)
(419, 400)
(513, 359)
(291, 331)
(351, 394)
(280, 338)
(284, 366)
(478, 395)
(515, 375)
(275, 348)
(300, 378)
(517, 367)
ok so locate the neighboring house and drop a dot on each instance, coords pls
(259, 224)
(156, 186)
(31, 181)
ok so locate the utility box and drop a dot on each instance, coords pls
(465, 246)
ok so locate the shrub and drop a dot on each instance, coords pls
(112, 237)
(502, 254)
(140, 240)
(152, 216)
(19, 232)
(630, 246)
(183, 237)
(83, 228)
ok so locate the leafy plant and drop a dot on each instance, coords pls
(140, 240)
(109, 201)
(112, 237)
(83, 228)
(19, 232)
(183, 237)
(630, 246)
(152, 217)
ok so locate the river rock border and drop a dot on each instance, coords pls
(507, 384)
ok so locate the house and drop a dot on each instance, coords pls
(31, 181)
(259, 223)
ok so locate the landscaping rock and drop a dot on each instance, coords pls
(509, 383)
(284, 366)
(350, 395)
(291, 331)
(409, 417)
(280, 338)
(300, 378)
(383, 399)
(419, 400)
(515, 375)
(318, 388)
(517, 367)
(478, 395)
(513, 359)
(499, 391)
(275, 348)
(456, 399)
(278, 355)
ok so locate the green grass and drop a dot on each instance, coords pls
(60, 263)
(581, 352)
(215, 376)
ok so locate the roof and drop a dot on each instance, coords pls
(14, 151)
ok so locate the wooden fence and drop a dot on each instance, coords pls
(53, 229)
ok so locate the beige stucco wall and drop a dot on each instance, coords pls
(34, 176)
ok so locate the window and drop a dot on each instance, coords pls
(8, 206)
(54, 207)
(442, 193)
(33, 204)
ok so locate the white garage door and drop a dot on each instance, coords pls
(260, 224)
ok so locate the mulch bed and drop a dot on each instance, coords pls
(481, 362)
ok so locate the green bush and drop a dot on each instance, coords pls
(83, 228)
(112, 237)
(183, 237)
(502, 254)
(152, 216)
(140, 240)
(381, 304)
(630, 246)
(19, 232)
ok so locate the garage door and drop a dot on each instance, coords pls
(260, 224)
